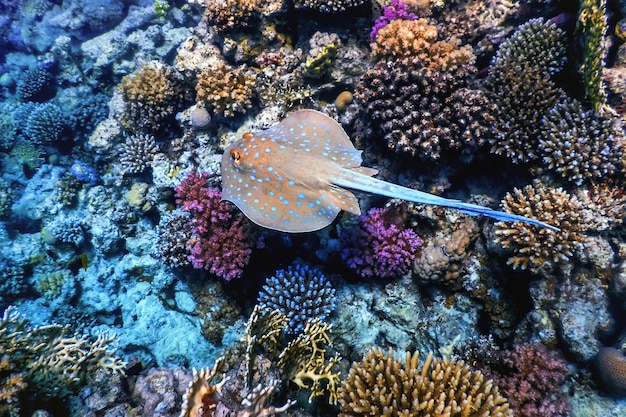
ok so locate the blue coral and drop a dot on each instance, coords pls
(299, 292)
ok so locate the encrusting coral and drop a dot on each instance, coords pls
(381, 385)
(152, 96)
(542, 249)
(611, 365)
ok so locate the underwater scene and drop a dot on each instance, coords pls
(250, 208)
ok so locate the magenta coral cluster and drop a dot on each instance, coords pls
(396, 10)
(531, 377)
(222, 239)
(378, 245)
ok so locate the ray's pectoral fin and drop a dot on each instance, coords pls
(370, 172)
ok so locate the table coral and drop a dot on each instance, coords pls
(381, 385)
(222, 238)
(542, 249)
(225, 90)
(299, 292)
(580, 144)
(379, 245)
(152, 96)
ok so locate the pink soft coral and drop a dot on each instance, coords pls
(378, 245)
(222, 238)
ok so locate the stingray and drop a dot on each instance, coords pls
(295, 177)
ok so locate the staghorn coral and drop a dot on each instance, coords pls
(579, 144)
(380, 385)
(542, 249)
(300, 293)
(136, 153)
(519, 84)
(329, 6)
(379, 245)
(55, 363)
(152, 95)
(611, 365)
(222, 238)
(226, 91)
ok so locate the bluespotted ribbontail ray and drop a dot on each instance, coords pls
(293, 177)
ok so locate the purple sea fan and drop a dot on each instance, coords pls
(396, 10)
(379, 246)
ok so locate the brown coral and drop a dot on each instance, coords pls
(381, 385)
(228, 14)
(226, 91)
(152, 95)
(537, 248)
(612, 369)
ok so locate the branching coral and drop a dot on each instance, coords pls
(396, 10)
(329, 6)
(35, 84)
(229, 14)
(381, 385)
(55, 363)
(379, 245)
(226, 91)
(45, 124)
(536, 248)
(300, 293)
(152, 96)
(579, 144)
(520, 86)
(136, 153)
(222, 238)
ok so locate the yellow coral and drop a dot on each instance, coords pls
(381, 385)
(541, 249)
(225, 90)
(420, 39)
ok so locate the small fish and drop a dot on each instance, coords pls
(293, 177)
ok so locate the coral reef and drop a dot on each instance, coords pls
(55, 364)
(592, 27)
(300, 293)
(329, 6)
(226, 91)
(396, 10)
(6, 198)
(222, 238)
(136, 153)
(35, 84)
(579, 144)
(520, 85)
(152, 96)
(223, 15)
(611, 365)
(174, 232)
(542, 249)
(45, 124)
(381, 385)
(379, 245)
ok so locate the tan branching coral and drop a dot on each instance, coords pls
(226, 91)
(152, 95)
(381, 385)
(540, 249)
(420, 39)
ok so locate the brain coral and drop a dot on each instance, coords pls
(152, 95)
(381, 385)
(539, 249)
(612, 370)
(300, 293)
(520, 85)
(579, 144)
(225, 90)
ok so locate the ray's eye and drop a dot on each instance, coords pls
(235, 155)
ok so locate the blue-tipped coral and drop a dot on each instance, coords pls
(299, 292)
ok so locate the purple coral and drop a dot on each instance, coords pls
(222, 239)
(396, 10)
(378, 245)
